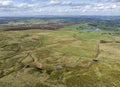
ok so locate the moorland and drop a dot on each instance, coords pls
(60, 51)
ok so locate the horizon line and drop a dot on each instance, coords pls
(62, 16)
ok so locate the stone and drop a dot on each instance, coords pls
(58, 67)
(95, 60)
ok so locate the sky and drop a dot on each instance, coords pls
(59, 7)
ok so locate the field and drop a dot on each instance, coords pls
(66, 57)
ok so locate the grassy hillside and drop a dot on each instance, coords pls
(59, 58)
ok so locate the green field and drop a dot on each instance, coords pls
(66, 57)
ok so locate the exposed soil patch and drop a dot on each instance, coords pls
(49, 26)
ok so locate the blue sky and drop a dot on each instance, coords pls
(59, 7)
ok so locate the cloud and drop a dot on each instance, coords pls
(6, 2)
(108, 1)
(83, 7)
(57, 7)
(98, 7)
(11, 6)
(55, 2)
(65, 3)
(113, 0)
